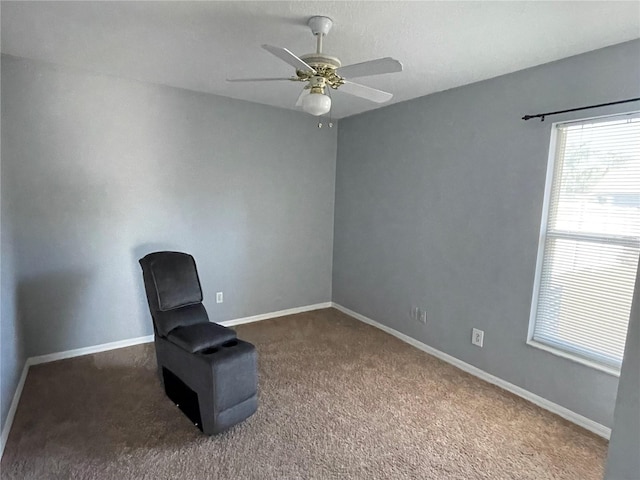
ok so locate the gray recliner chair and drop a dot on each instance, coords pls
(205, 369)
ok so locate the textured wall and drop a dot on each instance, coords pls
(438, 205)
(107, 170)
(12, 354)
(624, 462)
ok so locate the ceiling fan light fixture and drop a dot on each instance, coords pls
(316, 103)
(320, 71)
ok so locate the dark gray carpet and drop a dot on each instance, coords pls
(338, 399)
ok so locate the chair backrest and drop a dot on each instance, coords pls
(173, 290)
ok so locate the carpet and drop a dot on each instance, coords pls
(338, 399)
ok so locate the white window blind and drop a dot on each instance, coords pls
(590, 241)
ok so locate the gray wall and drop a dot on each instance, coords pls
(12, 356)
(438, 205)
(106, 170)
(624, 462)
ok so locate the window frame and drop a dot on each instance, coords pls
(542, 240)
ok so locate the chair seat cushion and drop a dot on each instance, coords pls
(194, 338)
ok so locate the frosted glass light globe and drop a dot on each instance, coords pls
(316, 104)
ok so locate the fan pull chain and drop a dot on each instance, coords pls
(330, 124)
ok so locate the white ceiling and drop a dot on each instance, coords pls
(197, 45)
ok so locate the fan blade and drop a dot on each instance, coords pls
(257, 79)
(372, 67)
(290, 58)
(303, 94)
(363, 91)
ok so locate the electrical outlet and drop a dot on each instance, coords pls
(414, 313)
(422, 316)
(477, 337)
(219, 297)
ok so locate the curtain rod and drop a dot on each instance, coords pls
(542, 115)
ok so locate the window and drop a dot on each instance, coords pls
(589, 241)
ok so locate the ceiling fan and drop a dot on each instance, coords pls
(321, 71)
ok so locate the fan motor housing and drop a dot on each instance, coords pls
(325, 67)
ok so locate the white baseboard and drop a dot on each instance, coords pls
(559, 410)
(12, 409)
(279, 313)
(52, 357)
(78, 352)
